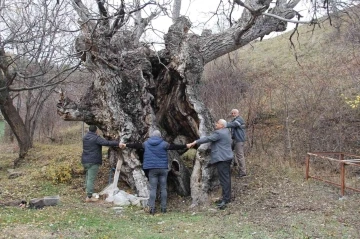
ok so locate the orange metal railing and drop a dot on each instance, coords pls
(344, 159)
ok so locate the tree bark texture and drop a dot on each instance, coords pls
(136, 90)
(17, 126)
(9, 111)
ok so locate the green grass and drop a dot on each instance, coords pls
(98, 222)
(83, 221)
(275, 202)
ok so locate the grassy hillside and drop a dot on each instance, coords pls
(322, 47)
(294, 98)
(320, 56)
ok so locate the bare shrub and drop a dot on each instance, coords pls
(223, 87)
(50, 124)
(227, 86)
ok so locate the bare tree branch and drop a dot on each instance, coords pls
(46, 84)
(312, 21)
(120, 19)
(260, 11)
(176, 9)
(103, 12)
(82, 11)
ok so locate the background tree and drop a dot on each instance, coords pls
(34, 58)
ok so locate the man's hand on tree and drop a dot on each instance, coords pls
(190, 145)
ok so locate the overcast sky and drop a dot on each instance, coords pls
(200, 11)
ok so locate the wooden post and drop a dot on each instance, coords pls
(307, 166)
(109, 190)
(342, 175)
(117, 173)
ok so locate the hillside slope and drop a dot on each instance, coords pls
(294, 98)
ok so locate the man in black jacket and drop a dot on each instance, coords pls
(91, 158)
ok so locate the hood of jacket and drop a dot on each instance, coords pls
(155, 140)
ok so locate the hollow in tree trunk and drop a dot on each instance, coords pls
(136, 90)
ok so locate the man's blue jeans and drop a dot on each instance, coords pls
(158, 175)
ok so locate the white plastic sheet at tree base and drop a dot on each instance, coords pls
(121, 198)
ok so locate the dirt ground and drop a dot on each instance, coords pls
(282, 200)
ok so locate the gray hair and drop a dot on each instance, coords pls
(236, 111)
(223, 122)
(155, 133)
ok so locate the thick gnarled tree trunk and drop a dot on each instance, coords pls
(137, 90)
(140, 94)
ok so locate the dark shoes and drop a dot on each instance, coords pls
(153, 211)
(218, 201)
(222, 205)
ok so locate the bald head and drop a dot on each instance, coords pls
(235, 112)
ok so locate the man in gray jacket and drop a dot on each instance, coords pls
(91, 158)
(238, 136)
(221, 156)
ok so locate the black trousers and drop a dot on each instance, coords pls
(224, 171)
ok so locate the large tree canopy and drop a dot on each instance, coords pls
(137, 89)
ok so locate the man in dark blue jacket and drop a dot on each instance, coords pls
(91, 158)
(156, 161)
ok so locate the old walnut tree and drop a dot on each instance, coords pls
(136, 89)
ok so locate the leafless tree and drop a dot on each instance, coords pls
(34, 58)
